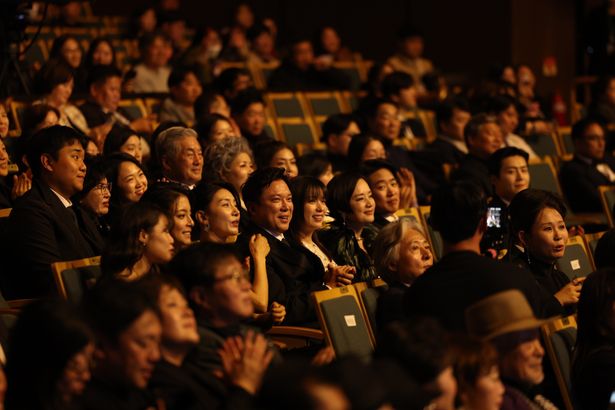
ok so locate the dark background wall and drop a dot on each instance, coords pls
(460, 36)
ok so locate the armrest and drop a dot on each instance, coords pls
(296, 331)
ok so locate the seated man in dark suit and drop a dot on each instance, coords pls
(290, 274)
(463, 277)
(452, 115)
(590, 167)
(337, 132)
(483, 138)
(248, 110)
(508, 169)
(399, 87)
(44, 226)
(102, 106)
(302, 71)
(383, 120)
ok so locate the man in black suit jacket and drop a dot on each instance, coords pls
(483, 137)
(463, 277)
(452, 116)
(44, 227)
(291, 275)
(589, 168)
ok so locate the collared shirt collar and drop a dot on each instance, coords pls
(65, 202)
(278, 236)
(460, 145)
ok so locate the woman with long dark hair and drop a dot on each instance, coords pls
(139, 242)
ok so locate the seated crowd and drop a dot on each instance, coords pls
(212, 233)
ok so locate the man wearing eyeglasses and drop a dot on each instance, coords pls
(590, 167)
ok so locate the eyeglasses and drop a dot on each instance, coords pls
(103, 187)
(236, 277)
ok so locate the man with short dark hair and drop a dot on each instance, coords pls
(590, 167)
(302, 71)
(399, 87)
(462, 276)
(509, 174)
(483, 137)
(452, 115)
(103, 104)
(44, 227)
(337, 132)
(291, 276)
(248, 110)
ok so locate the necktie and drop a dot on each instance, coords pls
(73, 215)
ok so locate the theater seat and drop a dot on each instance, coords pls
(73, 278)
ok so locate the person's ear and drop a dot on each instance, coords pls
(165, 163)
(47, 162)
(143, 237)
(482, 225)
(522, 237)
(252, 208)
(198, 297)
(393, 266)
(202, 218)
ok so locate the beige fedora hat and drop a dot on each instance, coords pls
(501, 313)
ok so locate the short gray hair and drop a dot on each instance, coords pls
(167, 143)
(386, 246)
(220, 155)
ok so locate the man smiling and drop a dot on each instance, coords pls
(44, 227)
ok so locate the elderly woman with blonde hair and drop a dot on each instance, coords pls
(401, 253)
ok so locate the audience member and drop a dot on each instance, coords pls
(101, 52)
(102, 108)
(401, 254)
(602, 107)
(505, 110)
(37, 378)
(232, 81)
(590, 167)
(213, 128)
(248, 109)
(604, 257)
(56, 83)
(593, 357)
(219, 289)
(230, 161)
(38, 116)
(506, 320)
(399, 88)
(181, 384)
(123, 140)
(291, 277)
(66, 49)
(180, 157)
(537, 225)
(509, 174)
(185, 88)
(126, 174)
(152, 74)
(6, 197)
(95, 197)
(462, 276)
(409, 57)
(216, 211)
(314, 164)
(337, 132)
(44, 227)
(309, 211)
(140, 241)
(421, 347)
(389, 194)
(475, 364)
(329, 46)
(203, 52)
(262, 45)
(143, 21)
(365, 148)
(452, 116)
(173, 25)
(276, 154)
(349, 237)
(302, 71)
(127, 327)
(483, 137)
(175, 203)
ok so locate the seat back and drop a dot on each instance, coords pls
(565, 140)
(560, 337)
(607, 198)
(434, 236)
(287, 105)
(297, 131)
(543, 176)
(73, 278)
(343, 323)
(5, 212)
(543, 144)
(368, 298)
(576, 261)
(591, 239)
(324, 104)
